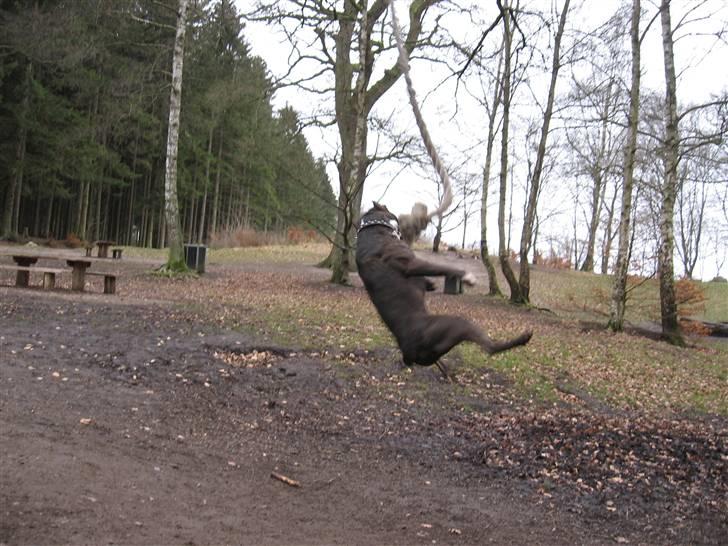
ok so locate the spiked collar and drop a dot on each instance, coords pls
(391, 224)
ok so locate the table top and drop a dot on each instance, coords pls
(45, 254)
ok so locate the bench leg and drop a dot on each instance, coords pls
(453, 285)
(22, 278)
(88, 250)
(49, 280)
(78, 279)
(109, 285)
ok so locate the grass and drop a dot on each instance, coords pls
(297, 307)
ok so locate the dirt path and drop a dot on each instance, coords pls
(119, 425)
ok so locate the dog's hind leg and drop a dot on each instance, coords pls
(443, 370)
(444, 332)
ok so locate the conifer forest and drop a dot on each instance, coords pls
(84, 100)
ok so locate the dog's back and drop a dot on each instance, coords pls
(396, 297)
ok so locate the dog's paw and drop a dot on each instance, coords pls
(469, 279)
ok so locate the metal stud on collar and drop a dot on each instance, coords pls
(391, 224)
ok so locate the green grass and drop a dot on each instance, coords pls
(290, 307)
(716, 308)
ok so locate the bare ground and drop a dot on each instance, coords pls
(135, 422)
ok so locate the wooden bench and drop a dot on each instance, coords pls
(117, 253)
(109, 280)
(23, 276)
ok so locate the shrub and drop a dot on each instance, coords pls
(73, 241)
(690, 298)
(244, 237)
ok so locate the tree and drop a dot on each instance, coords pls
(668, 304)
(347, 51)
(619, 289)
(175, 259)
(522, 295)
(492, 108)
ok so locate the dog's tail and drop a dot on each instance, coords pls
(492, 347)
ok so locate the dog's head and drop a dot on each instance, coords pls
(379, 215)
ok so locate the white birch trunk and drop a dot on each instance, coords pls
(619, 290)
(668, 305)
(171, 207)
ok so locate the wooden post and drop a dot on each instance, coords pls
(78, 275)
(109, 284)
(49, 280)
(453, 285)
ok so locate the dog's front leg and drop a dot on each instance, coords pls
(416, 268)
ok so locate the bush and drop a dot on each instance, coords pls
(553, 260)
(244, 237)
(690, 299)
(73, 241)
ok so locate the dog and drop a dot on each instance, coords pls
(396, 281)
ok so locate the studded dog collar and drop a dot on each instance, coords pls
(391, 224)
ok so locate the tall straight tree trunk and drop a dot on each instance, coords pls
(216, 193)
(502, 247)
(203, 211)
(49, 215)
(524, 277)
(130, 215)
(619, 289)
(597, 188)
(97, 223)
(175, 259)
(668, 304)
(608, 235)
(353, 164)
(10, 221)
(493, 288)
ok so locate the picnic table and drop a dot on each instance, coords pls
(26, 261)
(103, 248)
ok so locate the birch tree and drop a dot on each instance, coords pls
(619, 289)
(668, 304)
(175, 259)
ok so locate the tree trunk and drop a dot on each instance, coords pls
(608, 235)
(10, 220)
(619, 289)
(353, 105)
(668, 305)
(353, 130)
(493, 288)
(216, 193)
(175, 259)
(597, 188)
(203, 208)
(524, 277)
(502, 247)
(49, 215)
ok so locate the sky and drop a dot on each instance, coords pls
(456, 125)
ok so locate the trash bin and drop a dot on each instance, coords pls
(195, 257)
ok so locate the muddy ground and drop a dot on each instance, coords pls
(132, 422)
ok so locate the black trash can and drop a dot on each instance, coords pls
(195, 257)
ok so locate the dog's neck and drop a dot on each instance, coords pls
(370, 222)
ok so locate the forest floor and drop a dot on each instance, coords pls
(161, 415)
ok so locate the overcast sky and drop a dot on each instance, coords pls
(702, 67)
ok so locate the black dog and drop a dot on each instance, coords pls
(396, 282)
